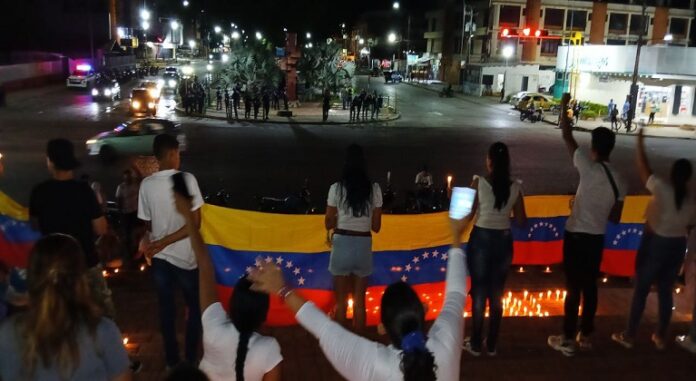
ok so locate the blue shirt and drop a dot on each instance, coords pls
(101, 358)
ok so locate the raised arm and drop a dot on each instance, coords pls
(644, 170)
(568, 138)
(519, 211)
(206, 271)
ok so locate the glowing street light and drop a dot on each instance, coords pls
(186, 3)
(668, 37)
(507, 52)
(144, 14)
(308, 35)
(192, 44)
(396, 5)
(259, 35)
(225, 57)
(361, 41)
(121, 32)
(392, 37)
(225, 39)
(174, 24)
(217, 29)
(235, 35)
(209, 67)
(145, 24)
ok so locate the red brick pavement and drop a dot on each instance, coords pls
(523, 353)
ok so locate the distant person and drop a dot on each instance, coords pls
(375, 105)
(218, 99)
(424, 190)
(489, 252)
(173, 261)
(599, 198)
(247, 105)
(413, 353)
(236, 99)
(232, 346)
(654, 108)
(266, 105)
(502, 93)
(127, 201)
(63, 334)
(367, 105)
(626, 108)
(227, 103)
(688, 342)
(358, 105)
(69, 206)
(275, 100)
(424, 180)
(610, 107)
(615, 118)
(670, 214)
(353, 211)
(257, 106)
(326, 105)
(353, 108)
(378, 105)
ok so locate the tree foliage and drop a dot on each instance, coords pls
(254, 66)
(321, 67)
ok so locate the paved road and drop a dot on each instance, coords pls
(451, 135)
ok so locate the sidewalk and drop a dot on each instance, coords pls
(655, 131)
(306, 113)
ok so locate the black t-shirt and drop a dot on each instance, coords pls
(67, 207)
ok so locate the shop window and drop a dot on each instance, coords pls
(678, 26)
(487, 80)
(636, 24)
(554, 18)
(618, 22)
(549, 47)
(509, 16)
(615, 41)
(576, 20)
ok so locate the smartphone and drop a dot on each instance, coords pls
(462, 202)
(179, 185)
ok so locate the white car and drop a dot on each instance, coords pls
(133, 138)
(516, 98)
(83, 77)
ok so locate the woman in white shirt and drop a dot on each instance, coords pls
(489, 256)
(232, 349)
(353, 209)
(411, 356)
(670, 213)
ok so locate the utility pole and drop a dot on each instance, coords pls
(634, 81)
(113, 21)
(461, 46)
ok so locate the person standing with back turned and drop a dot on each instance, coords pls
(173, 261)
(599, 198)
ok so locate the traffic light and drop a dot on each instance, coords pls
(507, 33)
(524, 33)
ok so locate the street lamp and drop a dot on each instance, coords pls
(209, 67)
(235, 35)
(192, 44)
(308, 35)
(508, 51)
(225, 57)
(186, 3)
(144, 14)
(174, 24)
(145, 24)
(669, 37)
(217, 29)
(392, 36)
(259, 35)
(361, 41)
(396, 5)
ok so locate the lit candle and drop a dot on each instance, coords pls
(142, 267)
(677, 290)
(521, 269)
(104, 273)
(558, 294)
(547, 270)
(548, 294)
(564, 294)
(525, 294)
(125, 340)
(116, 270)
(449, 182)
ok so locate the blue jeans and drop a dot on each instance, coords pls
(167, 276)
(489, 255)
(658, 261)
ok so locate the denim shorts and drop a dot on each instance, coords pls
(351, 255)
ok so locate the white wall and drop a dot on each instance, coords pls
(17, 72)
(514, 76)
(589, 88)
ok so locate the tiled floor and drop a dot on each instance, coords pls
(523, 353)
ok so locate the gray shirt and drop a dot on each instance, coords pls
(101, 358)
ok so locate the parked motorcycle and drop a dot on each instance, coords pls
(293, 203)
(533, 115)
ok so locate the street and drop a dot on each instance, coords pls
(450, 135)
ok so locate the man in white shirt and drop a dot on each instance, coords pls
(173, 261)
(599, 197)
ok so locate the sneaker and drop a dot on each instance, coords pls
(136, 366)
(490, 352)
(563, 345)
(467, 347)
(687, 343)
(622, 339)
(584, 342)
(659, 342)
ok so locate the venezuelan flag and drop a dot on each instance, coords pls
(16, 234)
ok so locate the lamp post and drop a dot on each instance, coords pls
(634, 81)
(507, 53)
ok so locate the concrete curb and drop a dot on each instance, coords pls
(583, 129)
(292, 121)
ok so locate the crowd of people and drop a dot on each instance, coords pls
(65, 331)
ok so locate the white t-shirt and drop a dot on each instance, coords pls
(220, 341)
(129, 194)
(346, 220)
(156, 204)
(487, 216)
(662, 214)
(595, 196)
(359, 359)
(424, 179)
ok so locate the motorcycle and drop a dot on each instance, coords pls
(533, 115)
(294, 203)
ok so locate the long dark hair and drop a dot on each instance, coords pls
(248, 310)
(403, 315)
(499, 156)
(355, 182)
(681, 174)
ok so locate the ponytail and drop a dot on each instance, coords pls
(500, 173)
(417, 363)
(681, 174)
(242, 350)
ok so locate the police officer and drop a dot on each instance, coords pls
(266, 104)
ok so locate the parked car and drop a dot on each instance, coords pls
(392, 76)
(106, 89)
(539, 100)
(133, 138)
(514, 99)
(141, 102)
(83, 77)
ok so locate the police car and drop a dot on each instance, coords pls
(83, 77)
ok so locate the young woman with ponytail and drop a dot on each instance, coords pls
(413, 355)
(670, 215)
(62, 335)
(498, 198)
(232, 348)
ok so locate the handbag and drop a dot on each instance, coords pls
(615, 214)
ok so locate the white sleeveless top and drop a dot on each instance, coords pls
(487, 216)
